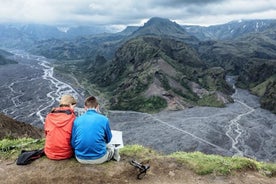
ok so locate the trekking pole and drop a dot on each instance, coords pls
(142, 168)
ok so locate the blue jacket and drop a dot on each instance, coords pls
(90, 134)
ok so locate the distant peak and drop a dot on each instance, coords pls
(158, 19)
(160, 22)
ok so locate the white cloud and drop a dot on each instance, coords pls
(133, 12)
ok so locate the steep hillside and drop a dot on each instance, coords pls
(252, 58)
(4, 58)
(267, 91)
(5, 53)
(151, 73)
(10, 128)
(268, 99)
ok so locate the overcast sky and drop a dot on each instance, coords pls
(120, 13)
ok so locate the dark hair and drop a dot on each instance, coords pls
(91, 102)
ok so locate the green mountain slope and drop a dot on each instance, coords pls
(128, 63)
(252, 58)
(151, 73)
(267, 91)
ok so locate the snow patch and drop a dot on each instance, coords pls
(63, 29)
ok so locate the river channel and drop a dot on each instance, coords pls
(30, 89)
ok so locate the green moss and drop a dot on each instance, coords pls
(142, 104)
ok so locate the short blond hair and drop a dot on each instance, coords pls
(67, 100)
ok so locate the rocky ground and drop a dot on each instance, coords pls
(237, 129)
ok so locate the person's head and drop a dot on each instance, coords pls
(67, 101)
(91, 102)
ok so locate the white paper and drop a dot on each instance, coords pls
(117, 138)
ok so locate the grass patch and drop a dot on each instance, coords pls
(200, 163)
(268, 169)
(11, 148)
(206, 164)
(137, 151)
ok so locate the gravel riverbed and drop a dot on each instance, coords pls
(30, 89)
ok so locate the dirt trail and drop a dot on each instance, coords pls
(162, 171)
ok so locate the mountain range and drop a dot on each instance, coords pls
(231, 30)
(164, 65)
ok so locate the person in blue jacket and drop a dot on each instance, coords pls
(91, 134)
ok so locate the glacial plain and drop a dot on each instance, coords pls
(30, 89)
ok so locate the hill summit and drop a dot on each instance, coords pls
(164, 27)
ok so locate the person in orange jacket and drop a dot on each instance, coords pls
(58, 128)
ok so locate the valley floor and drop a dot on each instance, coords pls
(241, 128)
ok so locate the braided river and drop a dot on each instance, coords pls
(30, 89)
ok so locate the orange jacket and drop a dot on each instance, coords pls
(58, 129)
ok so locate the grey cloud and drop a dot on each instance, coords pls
(175, 3)
(134, 12)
